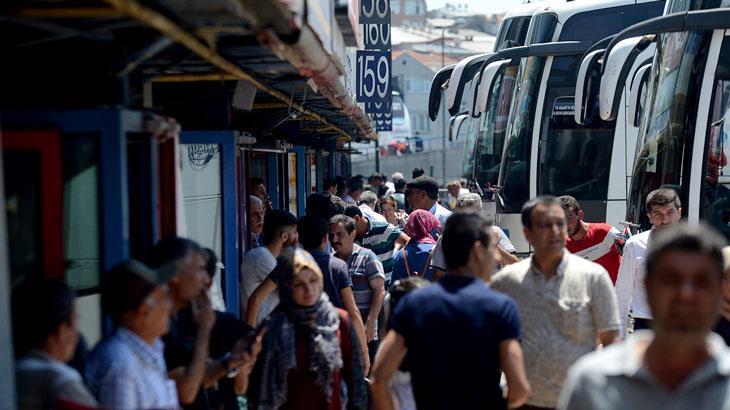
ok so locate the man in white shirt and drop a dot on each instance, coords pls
(368, 200)
(663, 209)
(279, 231)
(423, 193)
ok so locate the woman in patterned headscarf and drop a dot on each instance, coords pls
(310, 358)
(414, 259)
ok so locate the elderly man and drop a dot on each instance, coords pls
(681, 364)
(127, 369)
(423, 193)
(663, 209)
(368, 202)
(566, 303)
(256, 220)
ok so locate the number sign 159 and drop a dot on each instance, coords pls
(373, 76)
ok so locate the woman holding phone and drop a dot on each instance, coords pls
(392, 214)
(310, 351)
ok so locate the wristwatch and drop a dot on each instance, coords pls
(226, 363)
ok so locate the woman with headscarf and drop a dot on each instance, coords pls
(310, 357)
(415, 258)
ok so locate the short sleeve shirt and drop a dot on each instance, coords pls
(453, 330)
(599, 245)
(255, 268)
(363, 267)
(336, 276)
(561, 318)
(381, 239)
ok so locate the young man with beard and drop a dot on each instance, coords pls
(279, 231)
(593, 241)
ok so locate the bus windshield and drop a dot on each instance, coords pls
(666, 121)
(715, 193)
(514, 172)
(492, 129)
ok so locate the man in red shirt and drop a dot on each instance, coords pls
(593, 241)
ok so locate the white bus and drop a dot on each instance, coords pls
(545, 151)
(684, 133)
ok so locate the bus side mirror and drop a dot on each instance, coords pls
(489, 74)
(455, 125)
(638, 85)
(585, 98)
(618, 65)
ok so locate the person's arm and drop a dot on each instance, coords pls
(604, 309)
(401, 241)
(608, 337)
(348, 300)
(189, 378)
(245, 365)
(377, 285)
(257, 297)
(506, 258)
(513, 366)
(392, 351)
(625, 285)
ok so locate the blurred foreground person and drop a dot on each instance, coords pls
(458, 333)
(44, 336)
(310, 347)
(126, 370)
(679, 364)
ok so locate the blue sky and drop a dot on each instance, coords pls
(479, 6)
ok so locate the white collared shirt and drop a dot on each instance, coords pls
(441, 213)
(369, 213)
(630, 290)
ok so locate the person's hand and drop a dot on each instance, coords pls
(369, 330)
(203, 314)
(244, 354)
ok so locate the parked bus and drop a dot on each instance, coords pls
(684, 133)
(545, 151)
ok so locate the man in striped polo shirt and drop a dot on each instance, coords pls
(382, 238)
(366, 273)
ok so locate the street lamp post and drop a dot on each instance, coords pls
(443, 110)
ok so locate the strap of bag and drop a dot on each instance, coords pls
(425, 266)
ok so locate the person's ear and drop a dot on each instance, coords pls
(353, 234)
(581, 215)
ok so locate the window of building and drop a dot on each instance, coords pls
(395, 6)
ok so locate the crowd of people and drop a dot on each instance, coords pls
(384, 296)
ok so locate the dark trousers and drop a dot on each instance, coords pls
(641, 324)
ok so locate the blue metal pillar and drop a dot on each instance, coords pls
(272, 178)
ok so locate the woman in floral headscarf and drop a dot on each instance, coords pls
(415, 258)
(310, 357)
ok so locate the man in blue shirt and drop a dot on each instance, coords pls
(459, 334)
(127, 369)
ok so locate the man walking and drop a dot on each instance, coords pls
(681, 364)
(366, 273)
(459, 334)
(593, 241)
(663, 209)
(566, 302)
